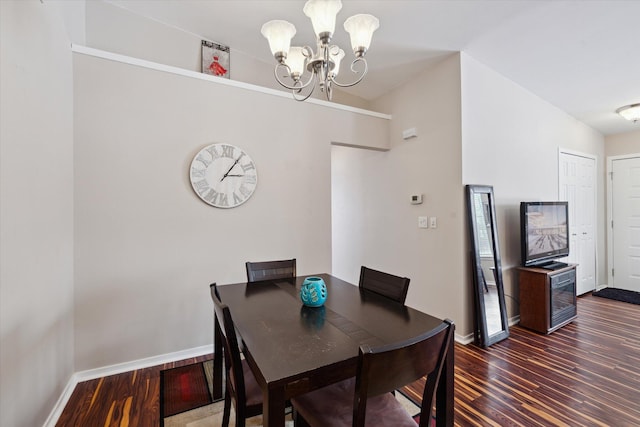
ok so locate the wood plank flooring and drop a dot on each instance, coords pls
(130, 399)
(584, 374)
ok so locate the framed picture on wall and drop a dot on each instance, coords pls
(216, 59)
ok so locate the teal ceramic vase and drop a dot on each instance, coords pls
(313, 292)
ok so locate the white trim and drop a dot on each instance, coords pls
(600, 287)
(55, 413)
(595, 198)
(468, 339)
(514, 320)
(464, 339)
(576, 153)
(608, 228)
(84, 50)
(119, 368)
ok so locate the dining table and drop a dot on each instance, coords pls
(293, 349)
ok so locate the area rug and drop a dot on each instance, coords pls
(185, 399)
(185, 388)
(619, 295)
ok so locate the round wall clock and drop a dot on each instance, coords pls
(223, 175)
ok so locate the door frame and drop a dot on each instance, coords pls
(609, 227)
(595, 199)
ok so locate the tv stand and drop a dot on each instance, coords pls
(547, 297)
(553, 265)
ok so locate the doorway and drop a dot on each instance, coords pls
(577, 179)
(624, 213)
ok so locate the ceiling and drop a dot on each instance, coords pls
(583, 56)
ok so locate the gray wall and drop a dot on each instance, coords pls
(474, 127)
(511, 140)
(623, 143)
(374, 223)
(36, 211)
(146, 248)
(140, 37)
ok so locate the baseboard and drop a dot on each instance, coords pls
(468, 339)
(514, 320)
(464, 339)
(55, 413)
(119, 368)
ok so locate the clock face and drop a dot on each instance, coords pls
(223, 175)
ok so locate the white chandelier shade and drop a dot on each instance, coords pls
(323, 16)
(279, 34)
(361, 28)
(323, 65)
(296, 60)
(630, 112)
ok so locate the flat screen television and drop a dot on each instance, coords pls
(544, 231)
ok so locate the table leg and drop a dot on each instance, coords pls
(273, 407)
(217, 360)
(444, 394)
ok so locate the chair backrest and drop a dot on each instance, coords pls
(269, 270)
(385, 284)
(387, 368)
(233, 361)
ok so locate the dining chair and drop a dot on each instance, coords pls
(269, 270)
(380, 371)
(241, 388)
(385, 284)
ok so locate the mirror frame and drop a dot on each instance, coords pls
(481, 335)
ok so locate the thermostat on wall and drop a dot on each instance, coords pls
(409, 133)
(416, 199)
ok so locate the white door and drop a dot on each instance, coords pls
(625, 262)
(577, 186)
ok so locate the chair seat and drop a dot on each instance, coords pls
(251, 387)
(333, 406)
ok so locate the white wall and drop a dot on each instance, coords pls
(36, 211)
(374, 223)
(140, 37)
(510, 140)
(623, 143)
(146, 247)
(475, 127)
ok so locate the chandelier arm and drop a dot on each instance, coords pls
(305, 97)
(325, 65)
(298, 90)
(364, 73)
(296, 87)
(333, 49)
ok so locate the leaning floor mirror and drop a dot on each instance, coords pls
(491, 323)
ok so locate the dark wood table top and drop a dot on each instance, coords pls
(287, 339)
(293, 349)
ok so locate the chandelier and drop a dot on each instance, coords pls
(630, 112)
(324, 64)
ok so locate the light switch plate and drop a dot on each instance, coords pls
(433, 222)
(423, 222)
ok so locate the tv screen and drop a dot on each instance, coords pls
(544, 232)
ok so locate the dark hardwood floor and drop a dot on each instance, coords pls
(130, 399)
(584, 374)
